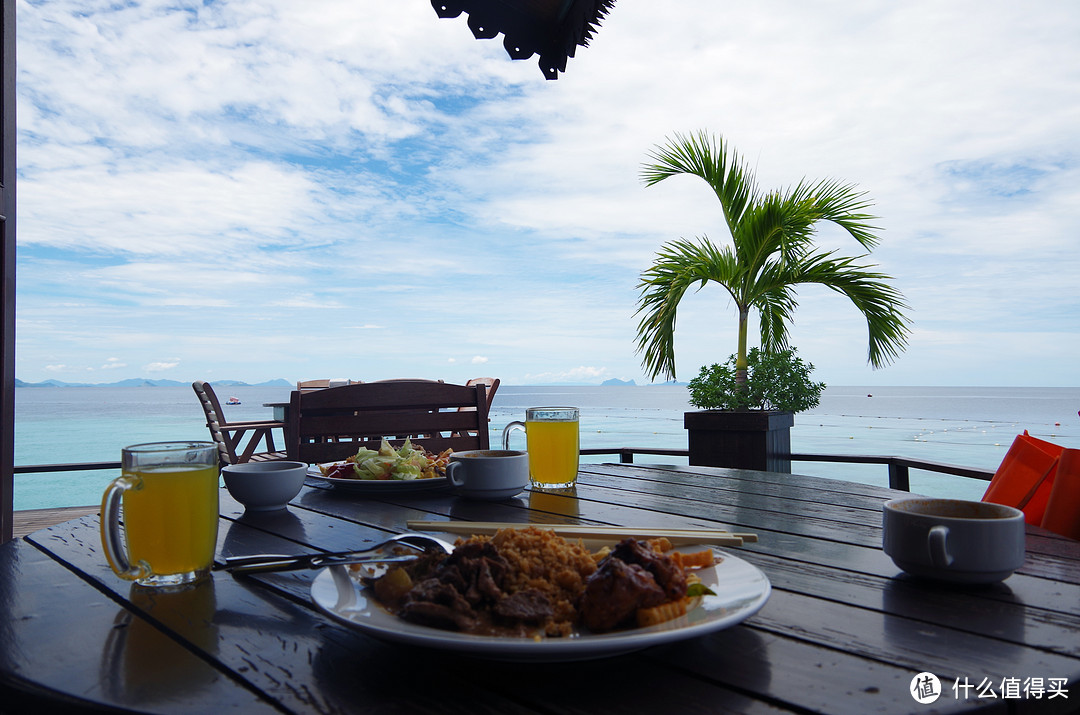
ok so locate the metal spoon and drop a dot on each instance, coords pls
(280, 562)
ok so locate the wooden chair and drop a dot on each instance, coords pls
(408, 379)
(229, 435)
(329, 425)
(492, 384)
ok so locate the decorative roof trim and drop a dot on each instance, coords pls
(552, 29)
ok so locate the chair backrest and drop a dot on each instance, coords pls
(408, 379)
(328, 425)
(492, 384)
(214, 420)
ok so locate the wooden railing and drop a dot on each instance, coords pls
(899, 467)
(75, 467)
(626, 454)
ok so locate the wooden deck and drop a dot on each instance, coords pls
(30, 520)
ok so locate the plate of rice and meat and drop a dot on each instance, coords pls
(530, 595)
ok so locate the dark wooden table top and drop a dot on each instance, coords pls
(843, 631)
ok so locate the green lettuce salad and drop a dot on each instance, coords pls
(405, 463)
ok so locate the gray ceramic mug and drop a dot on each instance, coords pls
(954, 540)
(489, 474)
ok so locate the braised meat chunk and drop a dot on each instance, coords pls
(436, 604)
(668, 574)
(469, 590)
(457, 588)
(477, 571)
(615, 592)
(531, 606)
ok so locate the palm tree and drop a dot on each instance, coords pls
(771, 253)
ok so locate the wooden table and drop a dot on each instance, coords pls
(843, 631)
(281, 410)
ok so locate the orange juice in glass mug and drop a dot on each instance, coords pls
(551, 435)
(169, 492)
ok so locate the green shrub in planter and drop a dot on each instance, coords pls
(775, 381)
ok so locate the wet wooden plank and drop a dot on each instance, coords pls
(107, 655)
(26, 521)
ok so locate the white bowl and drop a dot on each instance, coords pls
(264, 486)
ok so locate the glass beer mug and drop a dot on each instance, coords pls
(551, 436)
(169, 492)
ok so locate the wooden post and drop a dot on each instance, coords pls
(7, 269)
(898, 477)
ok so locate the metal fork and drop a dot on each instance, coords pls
(423, 543)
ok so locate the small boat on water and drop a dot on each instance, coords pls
(232, 401)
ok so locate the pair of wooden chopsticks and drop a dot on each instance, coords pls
(678, 537)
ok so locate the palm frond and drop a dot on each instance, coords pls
(679, 266)
(705, 156)
(773, 226)
(776, 308)
(845, 206)
(880, 303)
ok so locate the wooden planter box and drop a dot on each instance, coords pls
(741, 440)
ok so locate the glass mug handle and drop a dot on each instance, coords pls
(110, 529)
(512, 427)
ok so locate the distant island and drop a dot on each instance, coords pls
(146, 382)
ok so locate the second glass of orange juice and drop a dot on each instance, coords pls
(551, 434)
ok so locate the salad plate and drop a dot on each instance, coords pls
(740, 589)
(379, 486)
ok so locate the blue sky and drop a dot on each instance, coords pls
(357, 188)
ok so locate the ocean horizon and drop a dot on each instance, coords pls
(964, 426)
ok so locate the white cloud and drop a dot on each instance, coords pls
(274, 190)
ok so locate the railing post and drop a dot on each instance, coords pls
(898, 477)
(626, 456)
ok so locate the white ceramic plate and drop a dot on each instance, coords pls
(741, 590)
(380, 486)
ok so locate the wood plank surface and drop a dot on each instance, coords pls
(26, 521)
(149, 672)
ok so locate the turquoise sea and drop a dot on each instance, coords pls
(967, 426)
